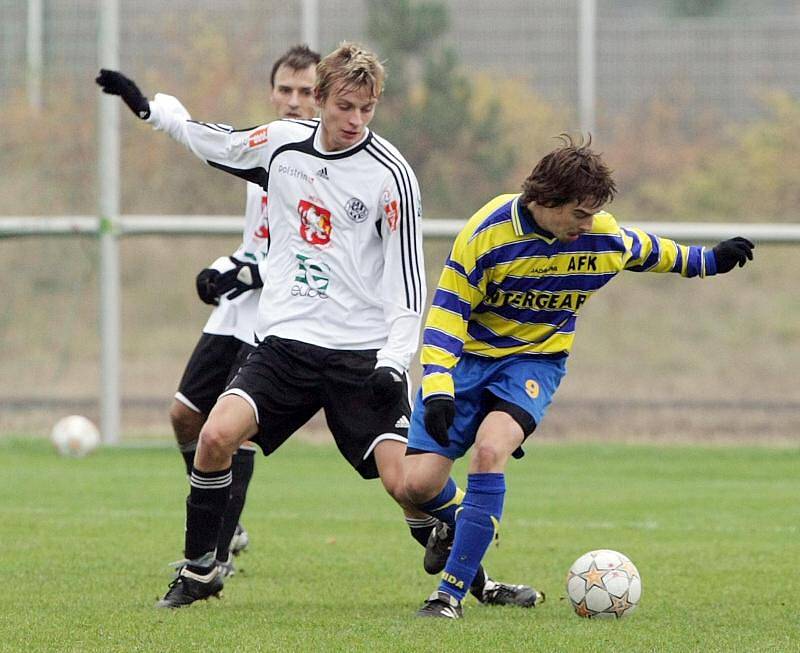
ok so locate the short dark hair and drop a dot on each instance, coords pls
(568, 173)
(298, 57)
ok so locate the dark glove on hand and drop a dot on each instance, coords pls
(244, 277)
(115, 83)
(206, 283)
(439, 415)
(384, 387)
(730, 252)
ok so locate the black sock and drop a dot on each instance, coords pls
(477, 584)
(242, 471)
(205, 505)
(188, 458)
(421, 528)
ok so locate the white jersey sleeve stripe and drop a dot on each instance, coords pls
(408, 227)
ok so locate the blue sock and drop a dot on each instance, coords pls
(445, 504)
(478, 521)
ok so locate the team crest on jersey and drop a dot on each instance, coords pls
(390, 210)
(356, 209)
(258, 137)
(315, 223)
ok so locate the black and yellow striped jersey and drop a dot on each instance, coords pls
(508, 287)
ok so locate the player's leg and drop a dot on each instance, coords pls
(203, 380)
(186, 425)
(389, 456)
(372, 439)
(233, 538)
(483, 415)
(232, 420)
(480, 511)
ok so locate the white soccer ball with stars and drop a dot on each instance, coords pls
(75, 436)
(604, 584)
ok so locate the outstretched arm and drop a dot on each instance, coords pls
(239, 153)
(649, 253)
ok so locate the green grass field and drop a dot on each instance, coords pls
(713, 531)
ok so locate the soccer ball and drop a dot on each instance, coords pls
(604, 584)
(75, 436)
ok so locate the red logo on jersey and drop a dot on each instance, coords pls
(315, 223)
(392, 214)
(258, 137)
(262, 232)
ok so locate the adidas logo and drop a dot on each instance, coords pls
(402, 423)
(322, 173)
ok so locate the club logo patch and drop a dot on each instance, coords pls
(356, 209)
(390, 210)
(258, 137)
(315, 223)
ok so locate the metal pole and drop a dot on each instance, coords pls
(310, 24)
(34, 50)
(108, 206)
(587, 27)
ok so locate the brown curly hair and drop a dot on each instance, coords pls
(568, 173)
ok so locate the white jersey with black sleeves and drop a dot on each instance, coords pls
(345, 267)
(235, 317)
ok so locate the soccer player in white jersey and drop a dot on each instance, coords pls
(228, 335)
(340, 311)
(498, 334)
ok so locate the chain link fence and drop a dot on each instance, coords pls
(654, 358)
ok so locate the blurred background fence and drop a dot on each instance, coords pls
(696, 108)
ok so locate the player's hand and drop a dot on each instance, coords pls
(115, 83)
(384, 387)
(206, 284)
(730, 252)
(235, 282)
(439, 415)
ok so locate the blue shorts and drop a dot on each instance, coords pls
(520, 380)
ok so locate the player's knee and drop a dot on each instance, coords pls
(419, 489)
(218, 440)
(487, 457)
(186, 423)
(396, 489)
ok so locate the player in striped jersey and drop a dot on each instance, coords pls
(499, 332)
(228, 335)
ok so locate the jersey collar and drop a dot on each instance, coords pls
(338, 153)
(524, 224)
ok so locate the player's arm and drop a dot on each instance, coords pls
(237, 152)
(647, 252)
(402, 287)
(461, 288)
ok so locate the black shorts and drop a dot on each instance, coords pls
(287, 382)
(211, 366)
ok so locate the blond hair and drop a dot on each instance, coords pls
(354, 66)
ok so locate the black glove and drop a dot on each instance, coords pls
(384, 387)
(730, 252)
(235, 282)
(439, 415)
(115, 83)
(206, 283)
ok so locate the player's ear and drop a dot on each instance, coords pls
(318, 99)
